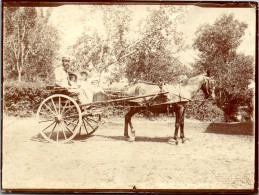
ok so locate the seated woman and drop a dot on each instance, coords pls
(95, 85)
(84, 81)
(73, 80)
(85, 85)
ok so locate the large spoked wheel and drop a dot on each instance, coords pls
(59, 118)
(90, 123)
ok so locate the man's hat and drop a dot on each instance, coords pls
(72, 73)
(84, 72)
(65, 59)
(95, 79)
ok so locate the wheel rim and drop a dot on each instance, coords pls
(90, 124)
(59, 118)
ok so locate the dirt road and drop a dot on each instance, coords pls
(107, 161)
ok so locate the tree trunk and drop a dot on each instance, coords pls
(19, 76)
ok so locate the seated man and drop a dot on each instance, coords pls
(62, 80)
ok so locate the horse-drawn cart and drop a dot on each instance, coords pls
(60, 116)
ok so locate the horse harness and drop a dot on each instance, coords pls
(160, 84)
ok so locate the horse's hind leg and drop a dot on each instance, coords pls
(126, 123)
(181, 121)
(128, 117)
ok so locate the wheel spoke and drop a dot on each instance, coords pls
(45, 114)
(67, 127)
(65, 107)
(85, 125)
(52, 130)
(89, 124)
(48, 126)
(49, 108)
(54, 106)
(59, 103)
(76, 125)
(69, 109)
(46, 121)
(69, 116)
(63, 130)
(57, 133)
(73, 123)
(92, 120)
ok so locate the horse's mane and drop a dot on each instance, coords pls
(144, 82)
(184, 82)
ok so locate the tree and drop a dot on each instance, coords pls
(97, 52)
(29, 42)
(152, 57)
(217, 44)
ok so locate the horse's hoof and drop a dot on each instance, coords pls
(130, 139)
(173, 141)
(184, 140)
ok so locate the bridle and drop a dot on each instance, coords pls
(207, 87)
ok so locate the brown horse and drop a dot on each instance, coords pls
(179, 94)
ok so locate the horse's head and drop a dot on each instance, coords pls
(208, 87)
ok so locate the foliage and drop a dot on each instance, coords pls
(152, 57)
(217, 44)
(97, 52)
(206, 112)
(148, 57)
(23, 99)
(30, 43)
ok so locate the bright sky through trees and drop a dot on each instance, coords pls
(73, 20)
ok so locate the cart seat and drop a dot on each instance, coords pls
(54, 89)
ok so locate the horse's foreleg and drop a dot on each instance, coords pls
(127, 119)
(132, 128)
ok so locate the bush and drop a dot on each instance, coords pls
(205, 112)
(23, 99)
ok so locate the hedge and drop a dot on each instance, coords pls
(207, 111)
(23, 100)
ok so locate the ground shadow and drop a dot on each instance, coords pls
(244, 128)
(152, 139)
(39, 138)
(138, 138)
(82, 137)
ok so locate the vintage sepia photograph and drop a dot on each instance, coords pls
(129, 97)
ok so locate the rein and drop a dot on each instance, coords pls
(202, 101)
